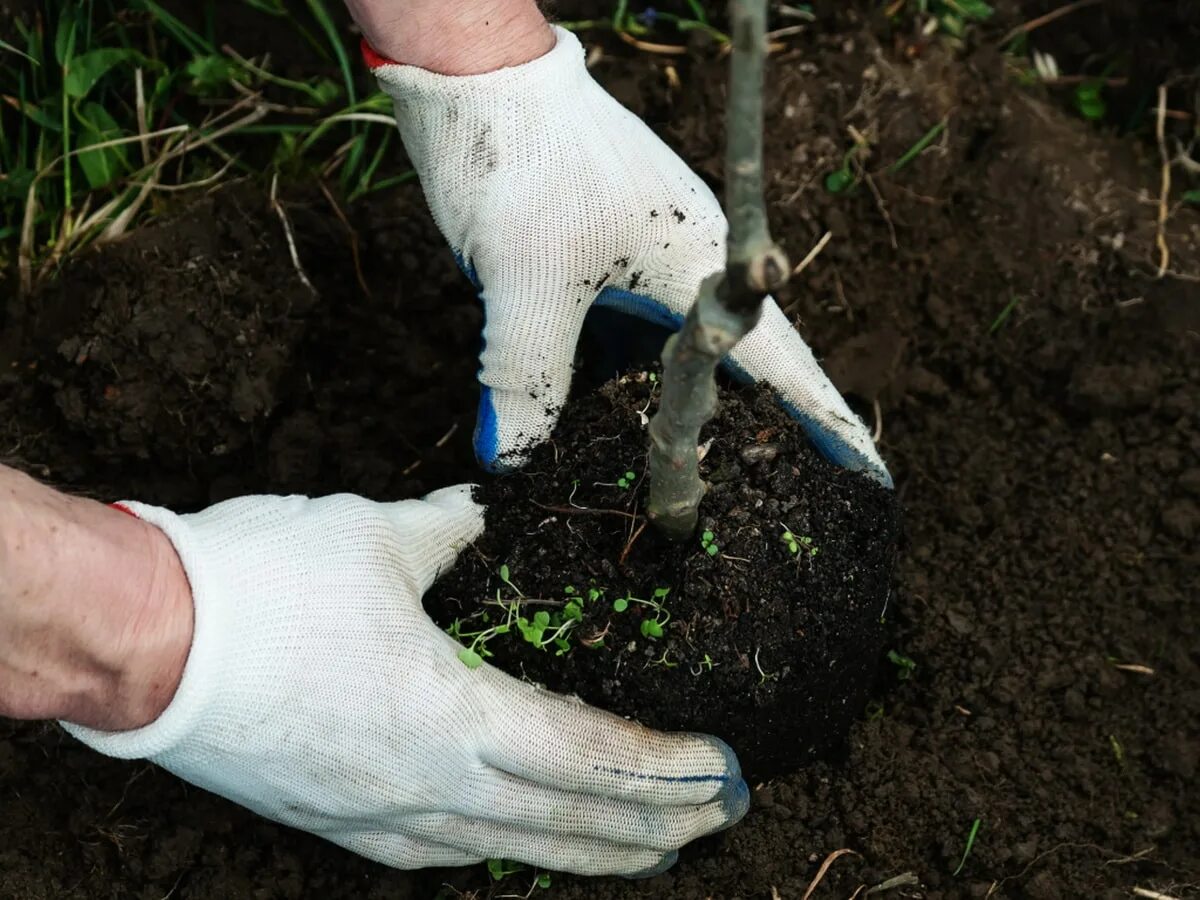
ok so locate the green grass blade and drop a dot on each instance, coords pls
(918, 148)
(698, 11)
(364, 181)
(64, 51)
(391, 182)
(266, 6)
(620, 14)
(970, 843)
(64, 36)
(321, 14)
(193, 42)
(5, 45)
(1004, 314)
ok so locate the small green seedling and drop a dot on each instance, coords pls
(708, 541)
(651, 627)
(626, 480)
(664, 661)
(873, 711)
(999, 321)
(1117, 749)
(843, 179)
(1089, 100)
(500, 869)
(797, 544)
(918, 148)
(904, 664)
(705, 665)
(970, 843)
(473, 654)
(504, 576)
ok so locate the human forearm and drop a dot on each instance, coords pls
(95, 610)
(454, 37)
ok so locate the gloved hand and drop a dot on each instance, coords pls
(318, 693)
(554, 197)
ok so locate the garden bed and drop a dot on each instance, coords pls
(995, 301)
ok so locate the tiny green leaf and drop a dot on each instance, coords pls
(470, 658)
(712, 549)
(651, 629)
(620, 604)
(85, 70)
(661, 592)
(504, 573)
(840, 181)
(707, 536)
(543, 880)
(569, 589)
(974, 9)
(542, 618)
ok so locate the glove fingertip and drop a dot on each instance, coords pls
(503, 442)
(669, 859)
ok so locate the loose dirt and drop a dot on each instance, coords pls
(1048, 461)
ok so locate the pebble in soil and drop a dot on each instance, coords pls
(765, 629)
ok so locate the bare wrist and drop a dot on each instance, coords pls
(455, 37)
(95, 610)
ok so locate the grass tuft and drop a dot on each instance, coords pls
(108, 108)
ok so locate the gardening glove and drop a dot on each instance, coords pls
(318, 693)
(555, 198)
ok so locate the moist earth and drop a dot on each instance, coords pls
(995, 309)
(765, 629)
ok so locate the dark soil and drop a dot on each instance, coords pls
(773, 650)
(1048, 462)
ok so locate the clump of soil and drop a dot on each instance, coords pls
(771, 644)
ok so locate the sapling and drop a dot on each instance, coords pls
(729, 303)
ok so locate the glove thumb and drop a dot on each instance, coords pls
(435, 529)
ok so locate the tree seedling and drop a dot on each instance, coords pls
(708, 541)
(728, 306)
(626, 480)
(904, 665)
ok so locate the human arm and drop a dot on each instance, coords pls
(555, 199)
(95, 611)
(314, 690)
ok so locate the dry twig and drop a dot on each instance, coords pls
(1053, 15)
(287, 233)
(829, 861)
(813, 253)
(1164, 252)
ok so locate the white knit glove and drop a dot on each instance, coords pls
(554, 197)
(318, 693)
